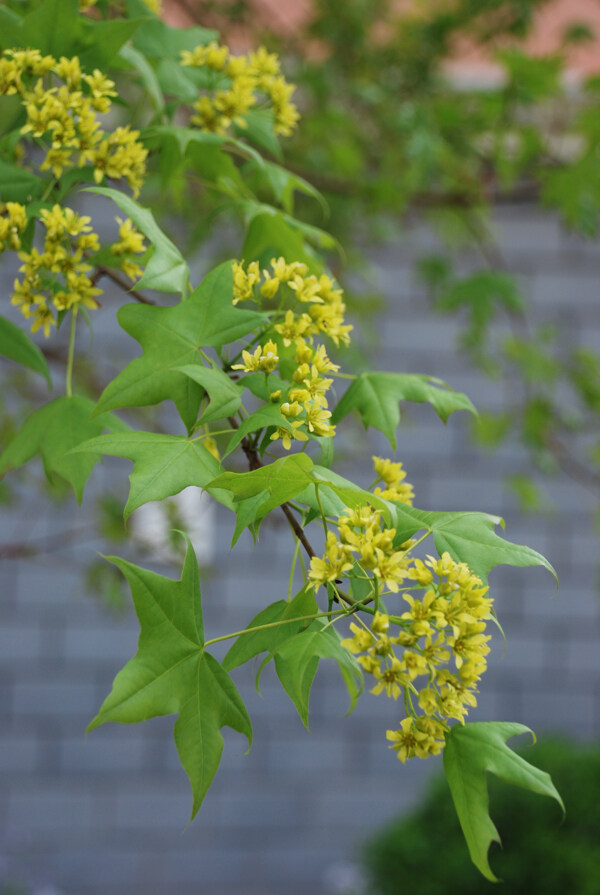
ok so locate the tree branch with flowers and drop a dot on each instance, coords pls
(244, 355)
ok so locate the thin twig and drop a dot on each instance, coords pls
(49, 544)
(255, 462)
(122, 283)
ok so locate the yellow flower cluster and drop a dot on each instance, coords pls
(324, 307)
(62, 105)
(392, 475)
(130, 242)
(13, 220)
(240, 84)
(445, 625)
(56, 279)
(362, 537)
(304, 405)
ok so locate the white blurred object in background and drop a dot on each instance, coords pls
(154, 526)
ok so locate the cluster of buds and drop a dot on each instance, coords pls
(239, 84)
(317, 304)
(56, 279)
(62, 105)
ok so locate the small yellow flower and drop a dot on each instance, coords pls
(13, 221)
(270, 286)
(333, 565)
(244, 281)
(414, 664)
(287, 434)
(293, 328)
(360, 642)
(264, 63)
(263, 359)
(130, 239)
(380, 623)
(391, 679)
(270, 358)
(406, 740)
(285, 272)
(211, 446)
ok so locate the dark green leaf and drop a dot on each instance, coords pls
(259, 130)
(147, 75)
(295, 663)
(100, 42)
(281, 481)
(52, 28)
(156, 40)
(284, 184)
(264, 417)
(269, 236)
(253, 643)
(17, 184)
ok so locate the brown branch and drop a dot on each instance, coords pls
(50, 544)
(526, 192)
(298, 530)
(571, 465)
(122, 283)
(255, 462)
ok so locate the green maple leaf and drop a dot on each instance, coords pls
(263, 418)
(297, 658)
(172, 673)
(164, 465)
(16, 345)
(468, 537)
(285, 618)
(53, 431)
(225, 395)
(472, 750)
(258, 492)
(172, 338)
(376, 397)
(296, 643)
(167, 269)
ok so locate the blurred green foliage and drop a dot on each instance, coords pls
(540, 855)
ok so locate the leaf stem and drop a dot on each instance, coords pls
(293, 569)
(207, 434)
(49, 188)
(418, 541)
(323, 517)
(69, 383)
(284, 621)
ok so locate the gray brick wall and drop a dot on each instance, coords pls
(109, 812)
